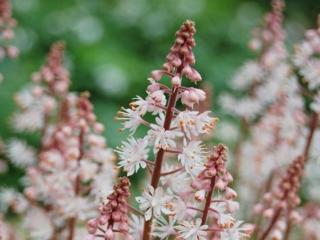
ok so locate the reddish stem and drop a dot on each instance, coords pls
(156, 174)
(77, 186)
(208, 201)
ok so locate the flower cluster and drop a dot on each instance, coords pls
(170, 202)
(39, 103)
(262, 78)
(279, 205)
(113, 212)
(74, 168)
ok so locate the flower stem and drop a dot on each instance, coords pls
(77, 186)
(156, 174)
(208, 201)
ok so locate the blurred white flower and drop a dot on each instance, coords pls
(193, 230)
(133, 154)
(20, 154)
(38, 223)
(154, 202)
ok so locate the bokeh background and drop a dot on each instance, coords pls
(112, 45)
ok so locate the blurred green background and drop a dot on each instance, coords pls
(112, 45)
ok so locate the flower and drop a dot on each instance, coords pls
(164, 228)
(192, 156)
(20, 154)
(39, 225)
(154, 202)
(135, 226)
(193, 123)
(192, 96)
(155, 102)
(133, 154)
(315, 105)
(237, 232)
(132, 119)
(162, 138)
(192, 230)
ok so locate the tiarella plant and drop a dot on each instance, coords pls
(7, 24)
(188, 196)
(73, 168)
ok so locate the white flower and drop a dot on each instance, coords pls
(177, 182)
(311, 73)
(224, 217)
(192, 230)
(153, 103)
(82, 208)
(164, 228)
(153, 202)
(7, 197)
(38, 224)
(236, 232)
(247, 75)
(160, 137)
(103, 183)
(88, 169)
(20, 154)
(136, 226)
(133, 155)
(131, 118)
(315, 105)
(29, 120)
(192, 156)
(193, 124)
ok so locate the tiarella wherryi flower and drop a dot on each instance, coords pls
(262, 79)
(133, 155)
(175, 136)
(74, 167)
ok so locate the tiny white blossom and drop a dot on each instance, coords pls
(153, 103)
(29, 120)
(193, 124)
(136, 226)
(154, 202)
(38, 224)
(192, 230)
(162, 138)
(164, 228)
(132, 119)
(192, 156)
(315, 105)
(133, 154)
(20, 154)
(237, 232)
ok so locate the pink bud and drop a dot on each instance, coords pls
(176, 81)
(156, 75)
(230, 193)
(109, 235)
(268, 213)
(200, 195)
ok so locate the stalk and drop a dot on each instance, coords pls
(156, 174)
(77, 186)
